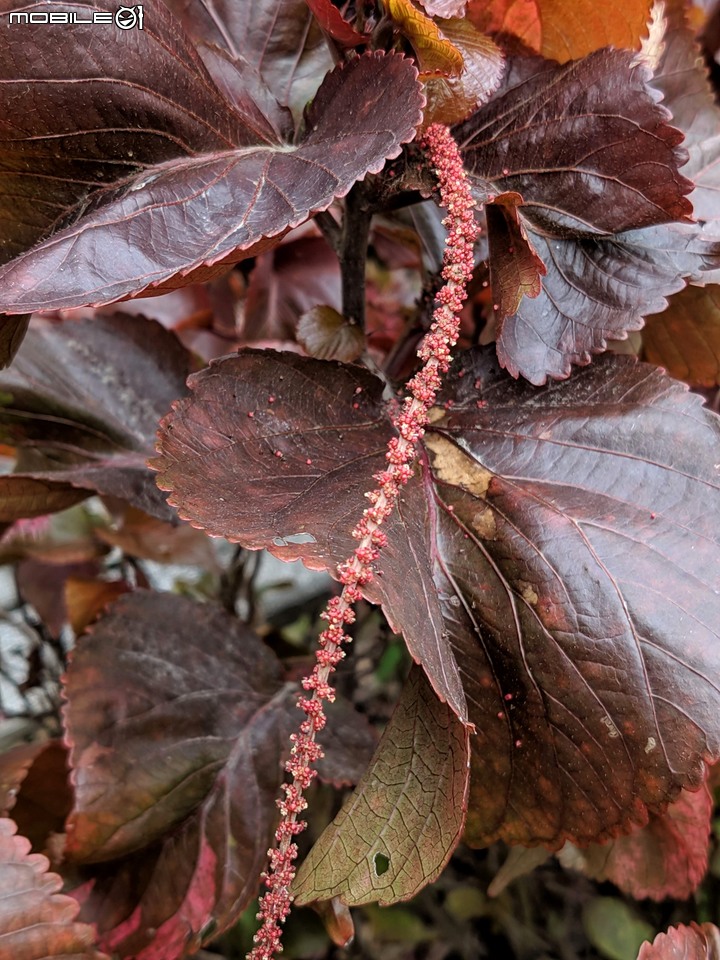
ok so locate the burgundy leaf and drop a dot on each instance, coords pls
(23, 496)
(696, 942)
(278, 39)
(36, 921)
(42, 795)
(595, 290)
(286, 283)
(83, 399)
(14, 767)
(178, 717)
(309, 435)
(43, 585)
(221, 189)
(96, 109)
(12, 333)
(666, 858)
(681, 76)
(585, 144)
(541, 556)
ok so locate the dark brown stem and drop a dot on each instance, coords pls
(330, 229)
(353, 253)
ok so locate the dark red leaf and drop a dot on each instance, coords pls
(696, 942)
(333, 23)
(212, 192)
(12, 333)
(302, 487)
(541, 557)
(84, 398)
(36, 921)
(178, 717)
(596, 290)
(44, 797)
(594, 216)
(278, 39)
(666, 858)
(43, 585)
(286, 283)
(14, 766)
(585, 144)
(682, 78)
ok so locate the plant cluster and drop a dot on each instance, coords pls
(426, 296)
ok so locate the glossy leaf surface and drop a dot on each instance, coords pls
(397, 831)
(543, 543)
(213, 190)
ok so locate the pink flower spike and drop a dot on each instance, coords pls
(356, 571)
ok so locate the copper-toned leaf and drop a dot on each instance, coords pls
(515, 268)
(37, 922)
(566, 31)
(213, 190)
(85, 600)
(42, 584)
(337, 919)
(327, 335)
(696, 942)
(435, 53)
(685, 337)
(84, 398)
(397, 831)
(332, 21)
(26, 496)
(452, 99)
(44, 797)
(667, 857)
(542, 558)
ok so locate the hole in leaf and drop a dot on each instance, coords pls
(382, 864)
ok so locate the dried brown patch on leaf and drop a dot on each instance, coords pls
(397, 831)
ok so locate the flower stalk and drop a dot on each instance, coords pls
(357, 570)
